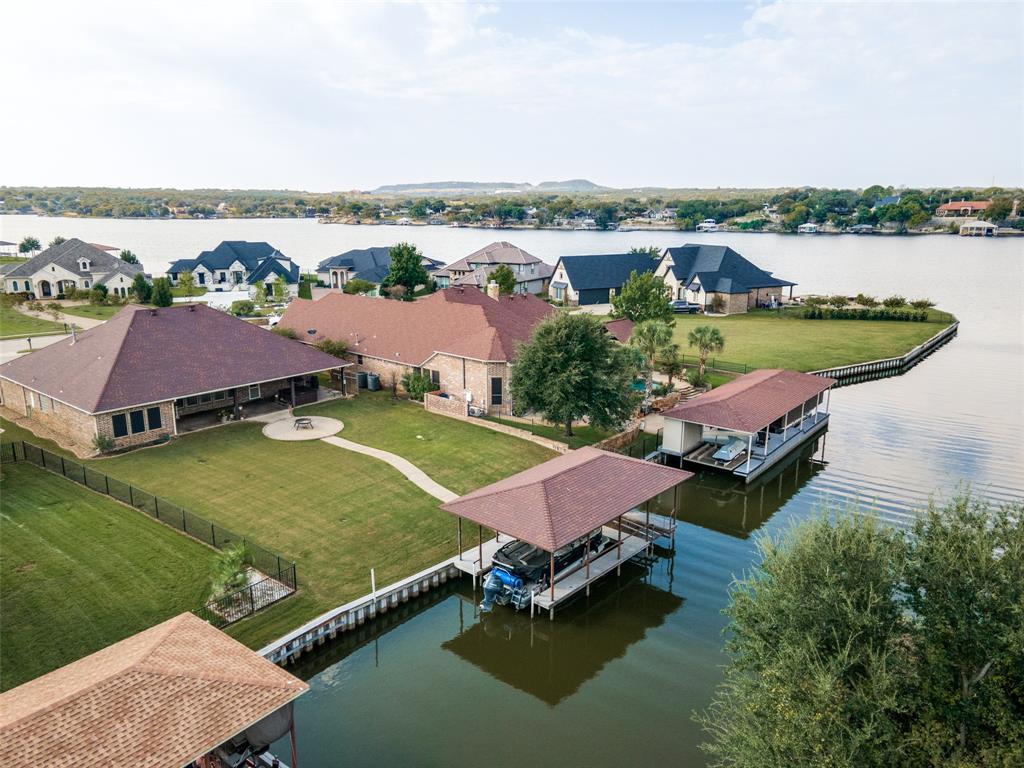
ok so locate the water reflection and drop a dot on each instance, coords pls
(550, 660)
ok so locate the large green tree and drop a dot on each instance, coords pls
(141, 288)
(28, 245)
(855, 644)
(643, 297)
(128, 257)
(406, 269)
(505, 278)
(162, 296)
(572, 369)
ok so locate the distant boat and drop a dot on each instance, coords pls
(708, 225)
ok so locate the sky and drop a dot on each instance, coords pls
(335, 96)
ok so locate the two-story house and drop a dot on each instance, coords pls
(72, 264)
(369, 264)
(236, 265)
(532, 274)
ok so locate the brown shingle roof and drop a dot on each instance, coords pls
(160, 698)
(553, 503)
(142, 355)
(501, 252)
(751, 402)
(620, 329)
(463, 322)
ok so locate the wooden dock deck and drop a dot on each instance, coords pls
(470, 561)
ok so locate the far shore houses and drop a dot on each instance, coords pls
(238, 264)
(71, 264)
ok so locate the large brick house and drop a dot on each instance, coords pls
(532, 274)
(464, 339)
(369, 264)
(147, 374)
(716, 274)
(71, 264)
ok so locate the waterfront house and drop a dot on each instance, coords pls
(887, 200)
(594, 279)
(532, 274)
(72, 264)
(716, 274)
(978, 229)
(167, 696)
(808, 228)
(147, 374)
(369, 264)
(236, 264)
(749, 424)
(464, 339)
(963, 208)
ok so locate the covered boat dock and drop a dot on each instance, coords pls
(748, 425)
(556, 503)
(177, 694)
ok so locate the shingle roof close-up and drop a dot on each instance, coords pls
(553, 503)
(161, 698)
(67, 255)
(145, 355)
(751, 402)
(605, 270)
(720, 269)
(459, 321)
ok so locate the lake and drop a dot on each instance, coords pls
(614, 679)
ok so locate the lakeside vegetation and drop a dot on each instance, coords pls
(81, 571)
(750, 209)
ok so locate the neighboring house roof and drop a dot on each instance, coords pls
(144, 355)
(720, 269)
(620, 330)
(467, 323)
(165, 696)
(249, 254)
(496, 253)
(973, 205)
(554, 503)
(68, 254)
(5, 268)
(273, 267)
(751, 402)
(605, 270)
(372, 264)
(889, 200)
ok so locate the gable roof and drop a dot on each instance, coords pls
(273, 267)
(553, 503)
(753, 401)
(68, 254)
(249, 254)
(165, 697)
(144, 355)
(372, 264)
(467, 323)
(481, 276)
(720, 269)
(501, 252)
(959, 205)
(605, 270)
(620, 329)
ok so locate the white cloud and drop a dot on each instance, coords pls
(333, 96)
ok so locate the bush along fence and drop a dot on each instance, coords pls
(864, 313)
(272, 577)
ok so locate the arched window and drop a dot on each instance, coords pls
(14, 286)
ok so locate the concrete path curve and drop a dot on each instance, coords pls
(407, 468)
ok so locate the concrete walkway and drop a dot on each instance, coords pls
(83, 323)
(407, 468)
(284, 428)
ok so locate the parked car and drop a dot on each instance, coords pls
(733, 448)
(684, 307)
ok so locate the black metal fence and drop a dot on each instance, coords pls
(642, 446)
(282, 576)
(715, 364)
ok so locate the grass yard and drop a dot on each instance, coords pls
(766, 339)
(582, 435)
(80, 571)
(179, 292)
(459, 455)
(13, 324)
(94, 311)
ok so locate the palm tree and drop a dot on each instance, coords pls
(707, 339)
(649, 336)
(671, 362)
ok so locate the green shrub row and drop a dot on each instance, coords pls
(864, 313)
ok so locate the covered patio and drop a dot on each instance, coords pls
(179, 693)
(762, 416)
(554, 504)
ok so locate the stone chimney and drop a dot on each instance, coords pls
(492, 290)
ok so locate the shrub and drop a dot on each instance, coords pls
(358, 286)
(242, 307)
(35, 306)
(922, 304)
(417, 384)
(894, 301)
(332, 347)
(693, 376)
(71, 292)
(305, 290)
(838, 301)
(863, 313)
(103, 443)
(816, 301)
(866, 301)
(162, 296)
(718, 304)
(288, 333)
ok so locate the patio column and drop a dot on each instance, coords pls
(802, 406)
(234, 402)
(750, 448)
(291, 384)
(552, 579)
(459, 521)
(480, 546)
(767, 434)
(828, 399)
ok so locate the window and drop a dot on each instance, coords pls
(138, 420)
(14, 286)
(559, 293)
(205, 398)
(202, 278)
(435, 378)
(219, 395)
(179, 403)
(495, 390)
(192, 400)
(120, 423)
(153, 417)
(237, 276)
(43, 403)
(223, 277)
(254, 391)
(85, 283)
(359, 359)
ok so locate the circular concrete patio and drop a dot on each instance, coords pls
(284, 429)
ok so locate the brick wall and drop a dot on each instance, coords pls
(73, 425)
(735, 303)
(447, 406)
(383, 368)
(105, 426)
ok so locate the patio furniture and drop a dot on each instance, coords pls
(303, 422)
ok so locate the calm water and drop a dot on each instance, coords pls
(614, 680)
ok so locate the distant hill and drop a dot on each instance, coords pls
(487, 187)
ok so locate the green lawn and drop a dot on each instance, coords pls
(766, 339)
(95, 311)
(13, 324)
(179, 292)
(581, 435)
(12, 259)
(80, 571)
